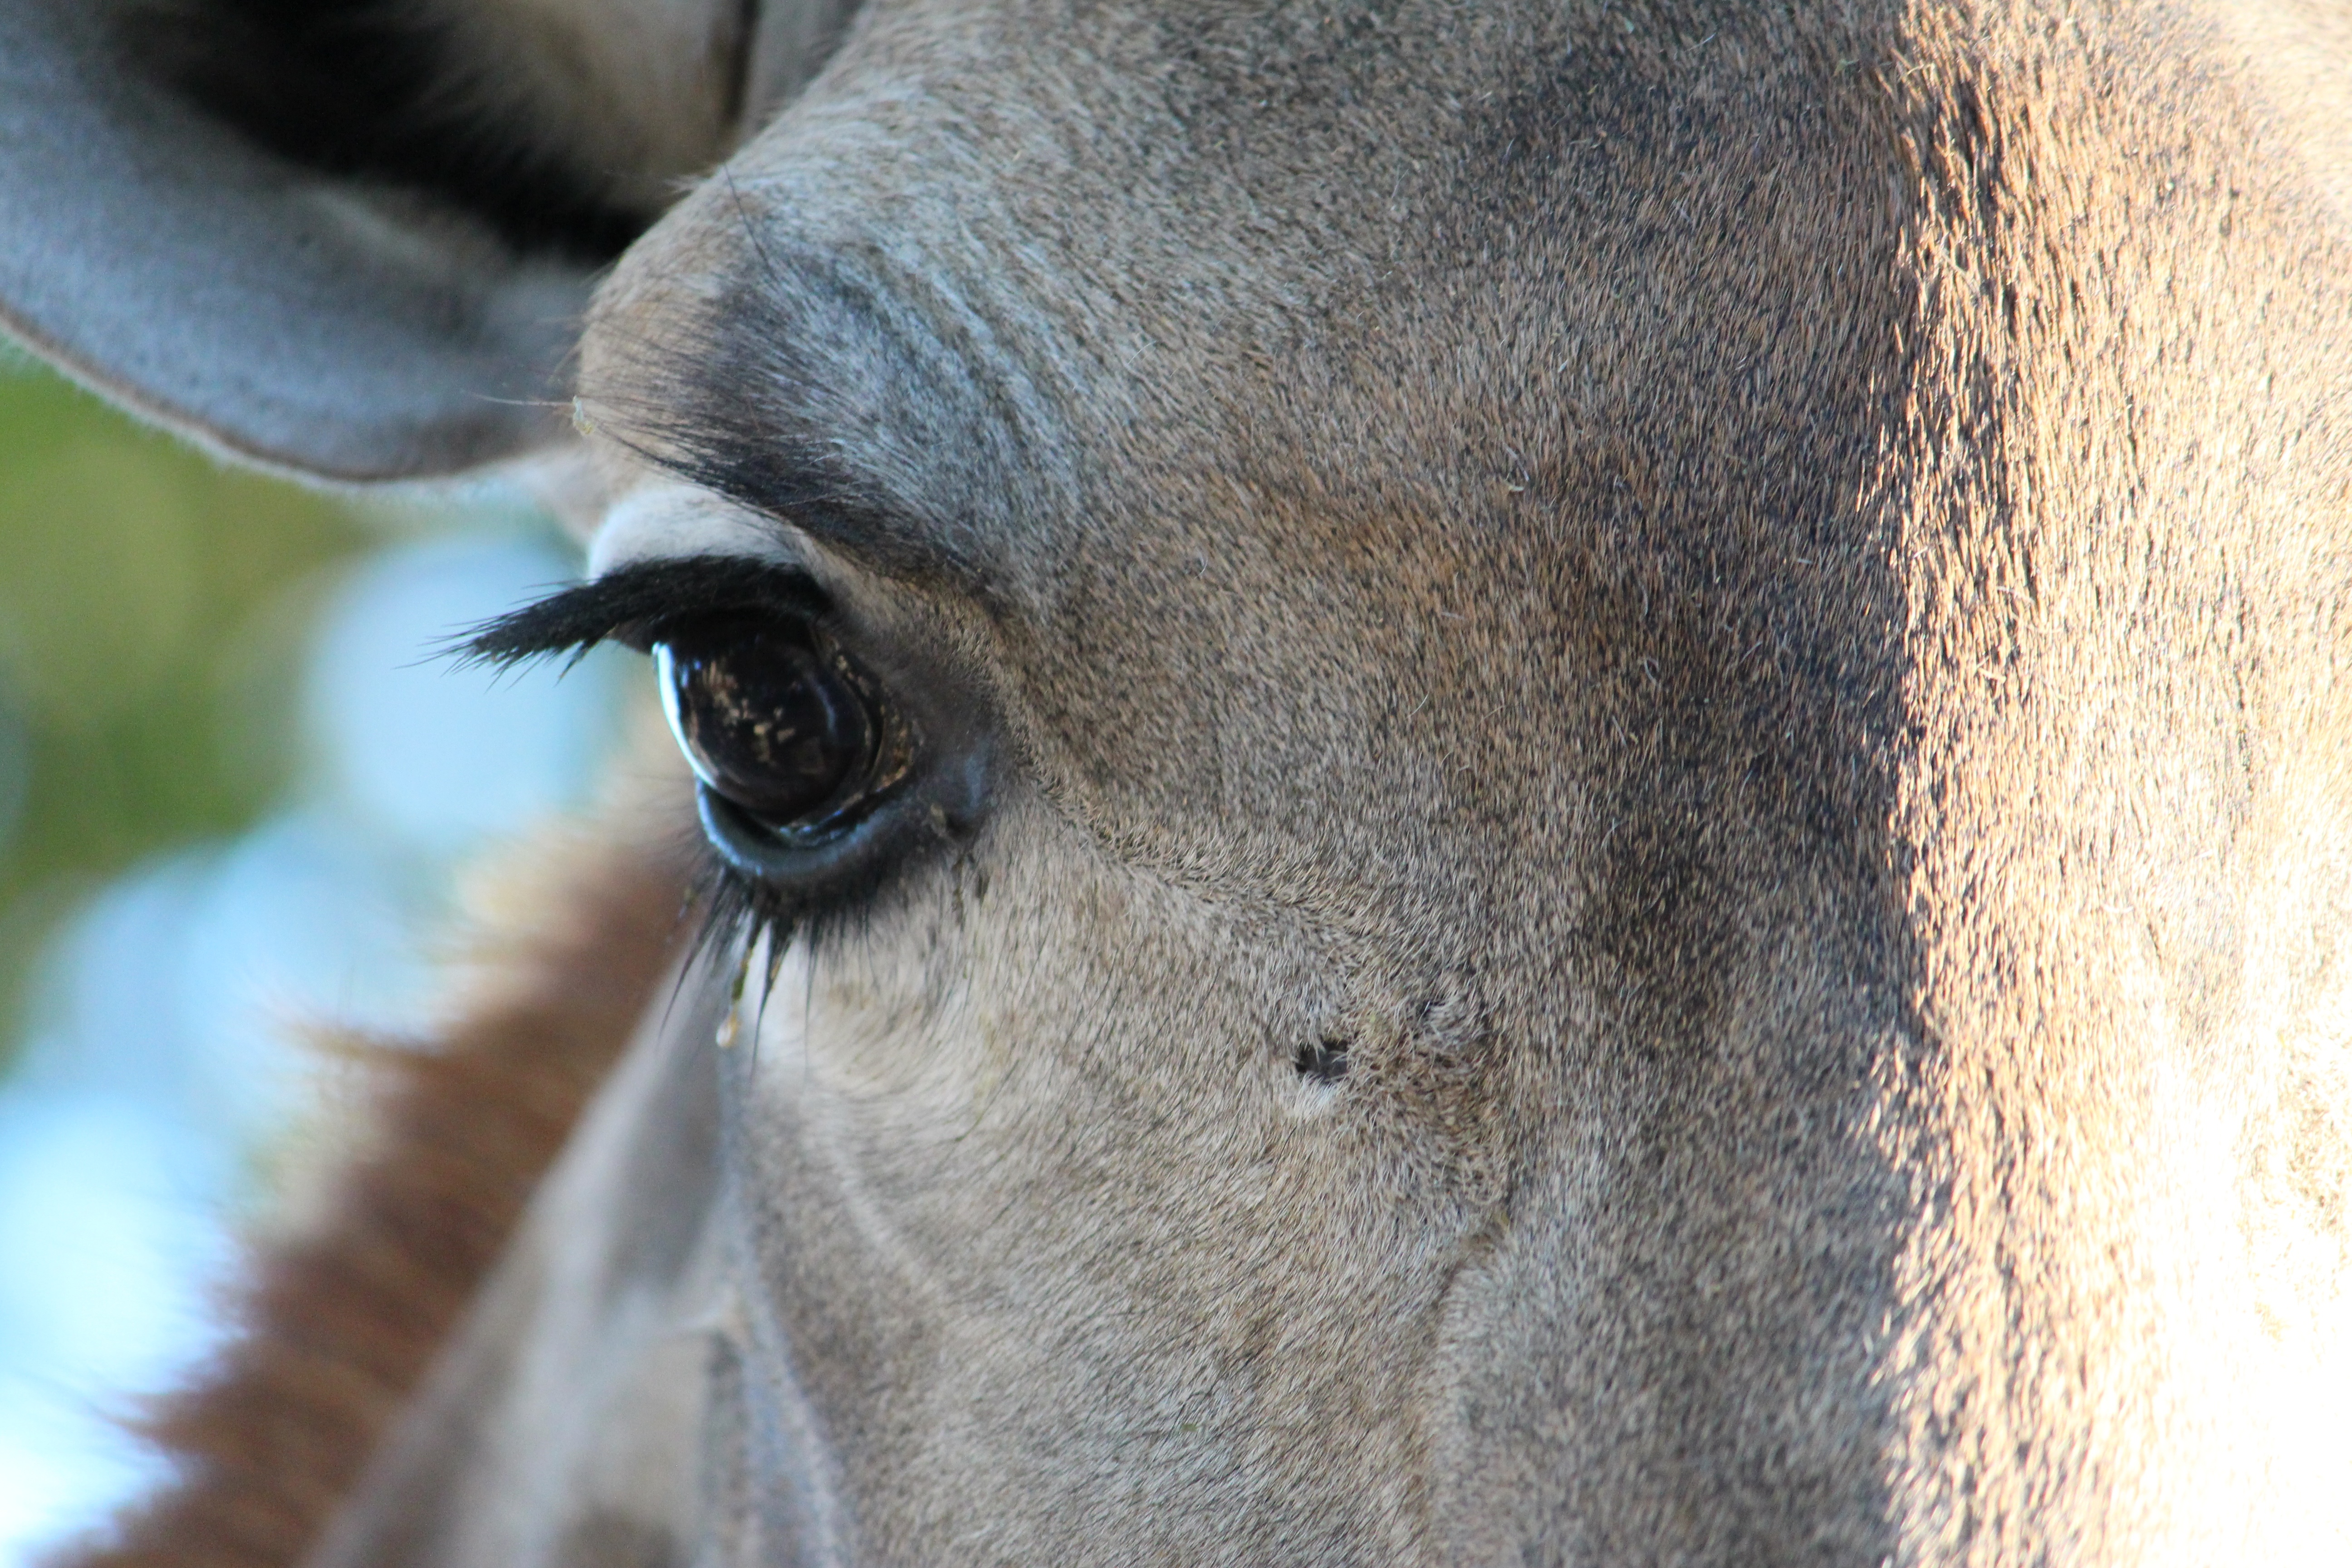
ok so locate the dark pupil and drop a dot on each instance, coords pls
(765, 718)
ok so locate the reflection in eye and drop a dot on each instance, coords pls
(779, 723)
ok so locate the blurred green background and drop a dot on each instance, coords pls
(236, 787)
(153, 604)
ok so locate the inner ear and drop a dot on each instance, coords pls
(353, 239)
(565, 127)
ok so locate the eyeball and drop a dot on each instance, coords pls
(779, 724)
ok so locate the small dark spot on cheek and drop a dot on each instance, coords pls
(1324, 1060)
(608, 1539)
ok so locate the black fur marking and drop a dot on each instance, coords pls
(365, 90)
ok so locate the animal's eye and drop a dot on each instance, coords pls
(779, 725)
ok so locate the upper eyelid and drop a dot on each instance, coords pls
(631, 603)
(672, 521)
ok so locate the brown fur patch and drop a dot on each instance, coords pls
(342, 1324)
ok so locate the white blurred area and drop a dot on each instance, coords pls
(161, 1080)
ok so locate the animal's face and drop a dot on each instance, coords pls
(1354, 1024)
(1433, 728)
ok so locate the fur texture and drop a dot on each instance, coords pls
(562, 123)
(1656, 741)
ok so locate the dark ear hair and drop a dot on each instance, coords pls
(353, 237)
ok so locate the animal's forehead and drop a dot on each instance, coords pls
(1003, 283)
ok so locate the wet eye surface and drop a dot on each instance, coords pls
(792, 743)
(819, 771)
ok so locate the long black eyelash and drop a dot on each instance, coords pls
(632, 605)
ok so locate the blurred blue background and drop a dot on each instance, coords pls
(234, 784)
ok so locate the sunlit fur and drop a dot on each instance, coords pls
(1746, 609)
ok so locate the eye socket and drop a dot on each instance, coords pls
(779, 724)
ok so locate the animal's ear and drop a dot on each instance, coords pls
(353, 237)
